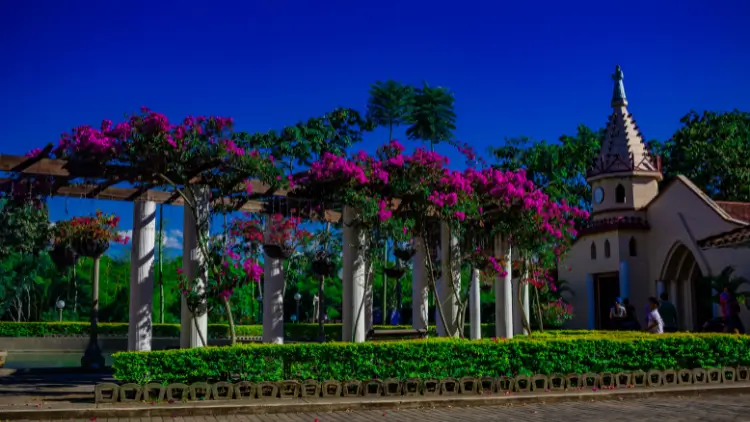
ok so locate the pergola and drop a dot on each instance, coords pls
(142, 257)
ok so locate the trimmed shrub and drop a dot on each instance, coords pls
(435, 358)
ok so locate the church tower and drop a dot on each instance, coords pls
(624, 178)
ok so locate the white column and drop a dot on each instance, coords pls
(524, 308)
(526, 305)
(419, 287)
(273, 297)
(660, 289)
(590, 302)
(450, 280)
(142, 276)
(192, 257)
(353, 287)
(474, 306)
(504, 292)
(368, 299)
(624, 280)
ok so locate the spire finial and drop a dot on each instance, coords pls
(618, 94)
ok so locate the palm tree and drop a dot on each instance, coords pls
(432, 118)
(389, 104)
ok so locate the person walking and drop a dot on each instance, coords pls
(655, 323)
(631, 321)
(668, 313)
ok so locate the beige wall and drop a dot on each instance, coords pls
(653, 248)
(638, 193)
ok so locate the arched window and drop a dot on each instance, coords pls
(593, 250)
(606, 249)
(620, 194)
(632, 247)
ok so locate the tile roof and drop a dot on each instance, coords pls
(738, 210)
(736, 238)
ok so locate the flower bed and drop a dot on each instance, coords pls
(434, 359)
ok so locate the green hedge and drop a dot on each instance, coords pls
(301, 332)
(435, 358)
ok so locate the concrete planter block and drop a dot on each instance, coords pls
(412, 387)
(556, 382)
(372, 388)
(431, 387)
(487, 385)
(352, 389)
(245, 390)
(505, 384)
(700, 376)
(200, 391)
(222, 390)
(130, 393)
(623, 379)
(267, 390)
(178, 392)
(607, 380)
(573, 381)
(392, 387)
(639, 379)
(331, 389)
(685, 377)
(670, 378)
(449, 387)
(310, 389)
(590, 380)
(729, 374)
(539, 382)
(289, 389)
(522, 384)
(106, 393)
(714, 375)
(655, 378)
(154, 391)
(743, 374)
(468, 385)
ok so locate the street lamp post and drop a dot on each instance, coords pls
(297, 297)
(60, 306)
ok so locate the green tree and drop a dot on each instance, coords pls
(24, 227)
(389, 104)
(713, 151)
(432, 118)
(557, 168)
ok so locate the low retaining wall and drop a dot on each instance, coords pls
(311, 389)
(106, 343)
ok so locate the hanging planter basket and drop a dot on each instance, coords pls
(485, 287)
(63, 256)
(404, 254)
(277, 251)
(323, 267)
(393, 272)
(90, 248)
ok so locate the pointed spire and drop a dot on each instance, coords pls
(618, 93)
(623, 149)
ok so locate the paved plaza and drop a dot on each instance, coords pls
(707, 408)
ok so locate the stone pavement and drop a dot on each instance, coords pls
(707, 408)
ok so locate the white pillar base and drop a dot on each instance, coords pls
(504, 292)
(142, 276)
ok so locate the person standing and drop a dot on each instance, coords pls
(668, 313)
(655, 323)
(617, 314)
(730, 310)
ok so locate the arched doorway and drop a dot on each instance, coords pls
(681, 273)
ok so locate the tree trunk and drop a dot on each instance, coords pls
(232, 333)
(321, 309)
(160, 239)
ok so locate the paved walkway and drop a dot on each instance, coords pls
(713, 408)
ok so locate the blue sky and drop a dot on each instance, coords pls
(526, 68)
